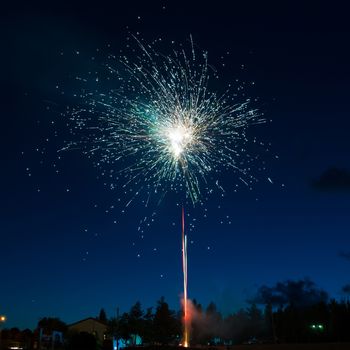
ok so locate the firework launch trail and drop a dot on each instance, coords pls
(186, 318)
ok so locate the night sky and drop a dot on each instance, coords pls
(61, 252)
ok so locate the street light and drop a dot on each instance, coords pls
(2, 320)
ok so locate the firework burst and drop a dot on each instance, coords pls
(161, 129)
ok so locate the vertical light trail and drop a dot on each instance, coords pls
(184, 268)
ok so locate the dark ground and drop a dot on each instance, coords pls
(320, 346)
(323, 346)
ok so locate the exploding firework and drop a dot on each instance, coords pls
(161, 129)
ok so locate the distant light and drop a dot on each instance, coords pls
(317, 327)
(2, 318)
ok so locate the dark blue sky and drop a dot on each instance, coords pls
(61, 253)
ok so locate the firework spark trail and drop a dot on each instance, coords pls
(162, 127)
(184, 268)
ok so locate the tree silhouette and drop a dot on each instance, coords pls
(213, 323)
(135, 322)
(102, 316)
(256, 321)
(124, 327)
(166, 326)
(148, 331)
